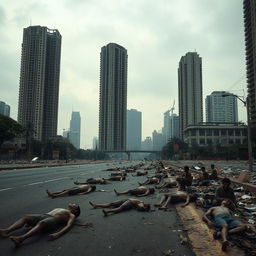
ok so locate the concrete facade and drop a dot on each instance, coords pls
(190, 90)
(113, 97)
(133, 129)
(39, 81)
(221, 109)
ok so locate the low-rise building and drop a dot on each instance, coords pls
(224, 134)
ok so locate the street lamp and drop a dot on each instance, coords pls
(247, 105)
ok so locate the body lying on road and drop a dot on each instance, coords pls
(122, 205)
(79, 190)
(178, 197)
(38, 222)
(223, 221)
(140, 191)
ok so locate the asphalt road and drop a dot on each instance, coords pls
(128, 233)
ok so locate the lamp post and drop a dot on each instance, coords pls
(247, 105)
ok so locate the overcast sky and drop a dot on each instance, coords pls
(155, 33)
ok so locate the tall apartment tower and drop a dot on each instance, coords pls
(133, 129)
(250, 52)
(75, 129)
(221, 109)
(190, 90)
(113, 97)
(39, 81)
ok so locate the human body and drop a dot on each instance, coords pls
(38, 222)
(224, 221)
(185, 180)
(179, 197)
(122, 205)
(79, 190)
(92, 181)
(140, 191)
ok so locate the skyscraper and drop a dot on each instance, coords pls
(221, 109)
(4, 109)
(190, 90)
(75, 128)
(167, 128)
(174, 126)
(250, 49)
(113, 97)
(133, 129)
(39, 81)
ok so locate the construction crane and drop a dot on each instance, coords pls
(172, 108)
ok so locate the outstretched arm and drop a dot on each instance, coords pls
(64, 229)
(187, 201)
(205, 217)
(80, 183)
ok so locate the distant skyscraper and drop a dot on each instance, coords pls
(39, 81)
(75, 128)
(147, 144)
(174, 126)
(157, 140)
(113, 97)
(190, 90)
(133, 129)
(250, 49)
(66, 134)
(4, 109)
(95, 143)
(167, 127)
(221, 109)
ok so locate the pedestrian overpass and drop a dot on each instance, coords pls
(128, 152)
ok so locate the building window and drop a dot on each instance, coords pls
(223, 132)
(216, 132)
(230, 141)
(230, 132)
(201, 132)
(208, 132)
(193, 132)
(237, 132)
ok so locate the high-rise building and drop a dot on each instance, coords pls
(113, 97)
(250, 49)
(4, 109)
(190, 90)
(174, 126)
(157, 140)
(221, 109)
(147, 144)
(75, 128)
(167, 127)
(133, 129)
(39, 81)
(95, 143)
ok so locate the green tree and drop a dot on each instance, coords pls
(174, 146)
(9, 129)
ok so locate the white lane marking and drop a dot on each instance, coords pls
(40, 182)
(63, 178)
(35, 183)
(5, 189)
